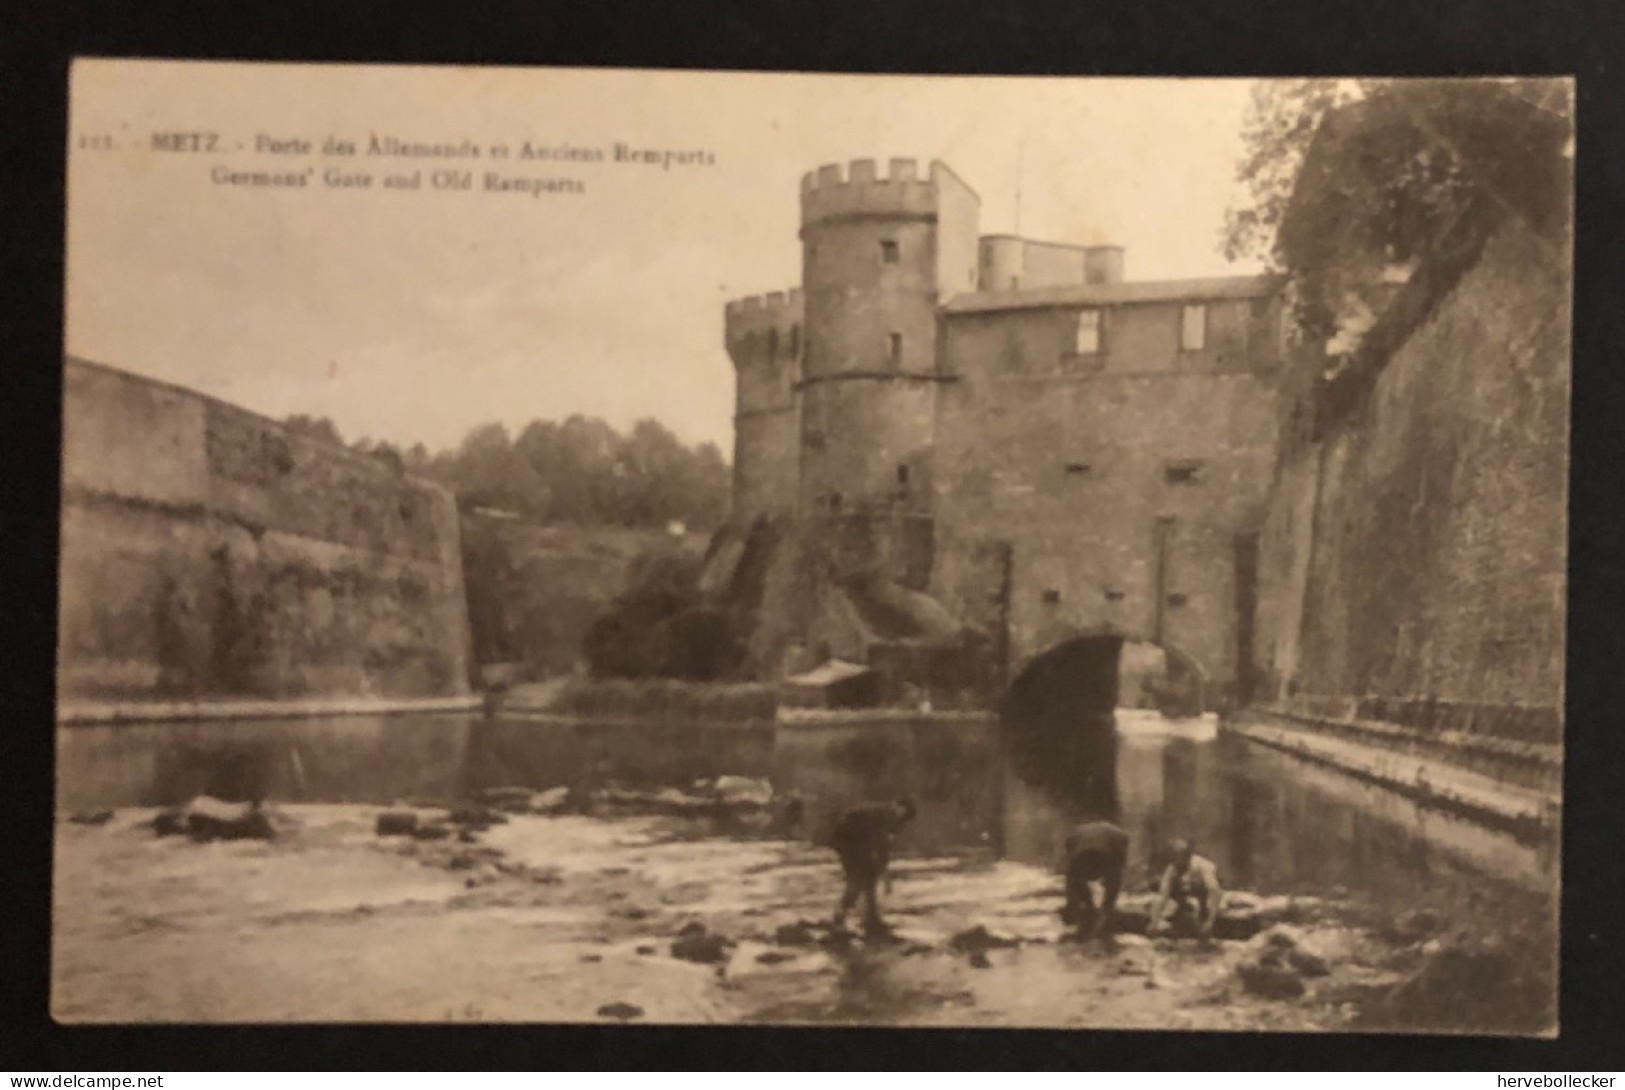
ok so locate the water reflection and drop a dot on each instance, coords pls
(338, 759)
(1271, 823)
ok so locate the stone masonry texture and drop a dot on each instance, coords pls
(208, 553)
(1413, 559)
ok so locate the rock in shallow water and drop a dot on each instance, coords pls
(694, 943)
(774, 957)
(743, 789)
(477, 818)
(97, 817)
(978, 939)
(1271, 981)
(800, 933)
(620, 1011)
(1307, 964)
(205, 819)
(396, 823)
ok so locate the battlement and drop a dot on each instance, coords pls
(762, 304)
(834, 191)
(761, 326)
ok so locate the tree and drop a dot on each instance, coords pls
(1282, 118)
(418, 461)
(317, 427)
(487, 472)
(1351, 186)
(657, 483)
(583, 471)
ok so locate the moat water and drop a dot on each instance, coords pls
(1271, 823)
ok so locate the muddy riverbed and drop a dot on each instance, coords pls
(559, 918)
(1407, 920)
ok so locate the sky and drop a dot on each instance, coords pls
(414, 316)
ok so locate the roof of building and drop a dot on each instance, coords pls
(1051, 242)
(1085, 295)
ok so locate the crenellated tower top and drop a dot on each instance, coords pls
(835, 191)
(764, 328)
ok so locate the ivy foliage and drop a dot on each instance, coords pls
(1350, 184)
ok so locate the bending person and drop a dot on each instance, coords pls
(1096, 852)
(862, 838)
(1189, 882)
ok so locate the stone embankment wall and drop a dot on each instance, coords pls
(209, 554)
(1412, 562)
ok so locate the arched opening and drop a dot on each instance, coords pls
(1059, 723)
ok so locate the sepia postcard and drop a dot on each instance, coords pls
(659, 547)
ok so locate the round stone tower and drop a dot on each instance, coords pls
(764, 335)
(878, 254)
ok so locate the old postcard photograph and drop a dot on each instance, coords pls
(654, 547)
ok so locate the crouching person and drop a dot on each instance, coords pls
(862, 838)
(1096, 852)
(1189, 890)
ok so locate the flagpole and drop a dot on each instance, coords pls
(1021, 150)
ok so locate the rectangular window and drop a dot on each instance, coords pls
(1052, 597)
(894, 349)
(889, 252)
(1114, 595)
(1088, 339)
(1193, 329)
(1078, 469)
(902, 474)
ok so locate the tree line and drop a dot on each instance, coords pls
(580, 471)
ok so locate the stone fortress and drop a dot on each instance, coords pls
(951, 432)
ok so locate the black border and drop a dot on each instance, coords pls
(1111, 37)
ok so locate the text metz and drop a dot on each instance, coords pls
(185, 141)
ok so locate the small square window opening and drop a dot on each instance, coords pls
(1052, 597)
(1088, 336)
(889, 252)
(1193, 329)
(1187, 473)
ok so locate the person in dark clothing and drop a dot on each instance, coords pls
(1096, 852)
(862, 838)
